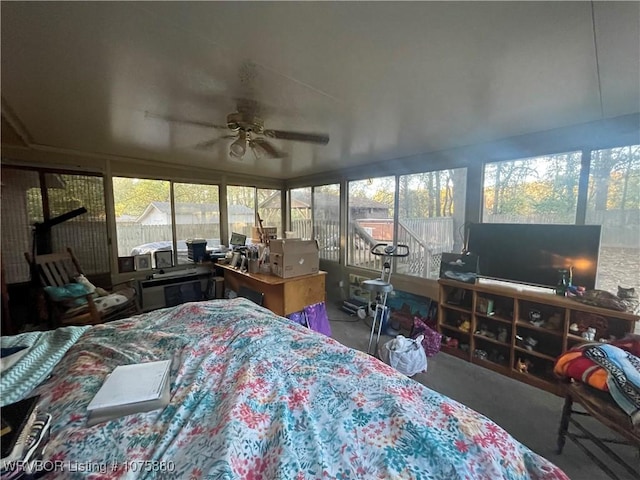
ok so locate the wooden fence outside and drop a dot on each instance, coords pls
(133, 235)
(426, 239)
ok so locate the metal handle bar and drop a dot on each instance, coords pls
(389, 250)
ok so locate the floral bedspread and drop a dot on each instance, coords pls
(256, 396)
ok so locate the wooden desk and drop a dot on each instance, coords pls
(283, 296)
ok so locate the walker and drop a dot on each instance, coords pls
(382, 286)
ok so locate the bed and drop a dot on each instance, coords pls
(256, 396)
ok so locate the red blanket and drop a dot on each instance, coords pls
(573, 364)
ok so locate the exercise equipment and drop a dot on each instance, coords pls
(382, 286)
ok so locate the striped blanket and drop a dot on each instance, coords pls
(46, 350)
(623, 377)
(609, 367)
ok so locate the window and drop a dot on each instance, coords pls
(241, 208)
(144, 218)
(614, 202)
(300, 210)
(21, 207)
(23, 204)
(533, 190)
(86, 233)
(326, 220)
(143, 215)
(371, 204)
(270, 209)
(197, 215)
(430, 219)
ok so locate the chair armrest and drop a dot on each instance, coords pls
(95, 315)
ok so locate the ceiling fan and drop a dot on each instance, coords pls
(249, 132)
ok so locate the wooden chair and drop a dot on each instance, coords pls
(60, 269)
(600, 406)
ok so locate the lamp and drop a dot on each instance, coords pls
(239, 146)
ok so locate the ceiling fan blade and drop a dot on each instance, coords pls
(197, 123)
(206, 144)
(320, 138)
(210, 143)
(269, 149)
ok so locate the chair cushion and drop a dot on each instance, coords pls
(111, 301)
(71, 294)
(104, 305)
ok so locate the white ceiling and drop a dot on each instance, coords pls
(384, 80)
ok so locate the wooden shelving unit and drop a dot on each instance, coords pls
(498, 312)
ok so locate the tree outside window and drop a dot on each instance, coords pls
(430, 219)
(534, 190)
(370, 221)
(614, 202)
(143, 215)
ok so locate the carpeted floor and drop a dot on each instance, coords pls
(531, 415)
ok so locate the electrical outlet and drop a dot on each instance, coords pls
(341, 283)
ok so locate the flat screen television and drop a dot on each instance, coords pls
(533, 254)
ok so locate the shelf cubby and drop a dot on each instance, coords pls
(495, 306)
(531, 327)
(463, 339)
(496, 352)
(495, 318)
(539, 367)
(453, 317)
(456, 296)
(608, 327)
(490, 308)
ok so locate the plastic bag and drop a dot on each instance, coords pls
(405, 355)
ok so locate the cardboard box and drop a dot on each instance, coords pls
(292, 258)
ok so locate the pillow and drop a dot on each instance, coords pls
(70, 294)
(82, 280)
(101, 292)
(96, 291)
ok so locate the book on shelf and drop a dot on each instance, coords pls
(129, 389)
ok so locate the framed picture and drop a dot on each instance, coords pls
(125, 264)
(460, 267)
(164, 259)
(142, 262)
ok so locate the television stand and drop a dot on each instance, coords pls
(519, 333)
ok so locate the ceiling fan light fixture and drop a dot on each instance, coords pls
(239, 147)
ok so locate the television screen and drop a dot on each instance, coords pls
(533, 254)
